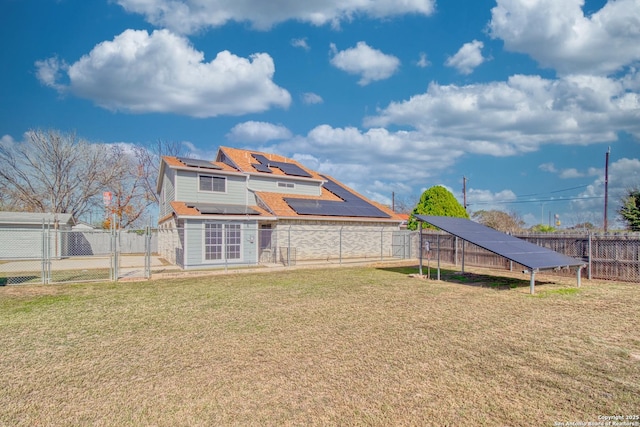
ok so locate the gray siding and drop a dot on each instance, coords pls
(169, 192)
(270, 184)
(187, 189)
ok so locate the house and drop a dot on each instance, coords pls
(248, 207)
(21, 234)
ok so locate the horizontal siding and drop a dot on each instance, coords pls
(169, 192)
(187, 189)
(269, 184)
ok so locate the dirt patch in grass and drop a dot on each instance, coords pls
(349, 346)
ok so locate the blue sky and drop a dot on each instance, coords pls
(523, 97)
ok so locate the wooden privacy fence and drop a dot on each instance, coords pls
(607, 256)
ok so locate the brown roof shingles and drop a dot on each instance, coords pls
(274, 202)
(173, 161)
(243, 160)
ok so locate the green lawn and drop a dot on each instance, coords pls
(339, 346)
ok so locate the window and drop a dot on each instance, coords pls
(212, 241)
(286, 185)
(222, 239)
(213, 183)
(233, 241)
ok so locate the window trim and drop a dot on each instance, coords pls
(207, 175)
(286, 184)
(223, 246)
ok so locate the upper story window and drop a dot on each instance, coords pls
(286, 184)
(217, 184)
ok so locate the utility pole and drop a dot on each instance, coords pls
(464, 192)
(393, 201)
(606, 188)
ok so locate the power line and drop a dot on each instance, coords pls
(563, 199)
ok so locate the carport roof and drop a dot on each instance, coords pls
(26, 218)
(532, 256)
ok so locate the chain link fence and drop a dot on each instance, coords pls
(607, 256)
(211, 245)
(49, 255)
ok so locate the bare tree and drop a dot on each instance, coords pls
(55, 172)
(148, 160)
(499, 220)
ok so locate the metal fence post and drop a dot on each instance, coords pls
(589, 254)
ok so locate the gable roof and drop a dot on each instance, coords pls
(337, 202)
(244, 161)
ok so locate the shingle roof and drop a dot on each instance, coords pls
(244, 160)
(274, 204)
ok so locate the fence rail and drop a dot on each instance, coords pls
(609, 257)
(51, 255)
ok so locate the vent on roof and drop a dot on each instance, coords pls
(198, 163)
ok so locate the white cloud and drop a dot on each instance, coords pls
(49, 71)
(570, 173)
(188, 16)
(311, 98)
(258, 132)
(519, 115)
(623, 175)
(423, 62)
(548, 167)
(371, 64)
(479, 199)
(161, 72)
(467, 58)
(301, 43)
(558, 35)
(353, 155)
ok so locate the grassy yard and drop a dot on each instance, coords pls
(341, 346)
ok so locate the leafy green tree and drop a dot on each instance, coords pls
(543, 228)
(436, 201)
(630, 209)
(499, 220)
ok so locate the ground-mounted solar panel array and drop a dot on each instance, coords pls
(350, 206)
(198, 163)
(524, 253)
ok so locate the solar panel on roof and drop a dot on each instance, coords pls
(222, 209)
(517, 250)
(198, 163)
(287, 168)
(350, 206)
(261, 168)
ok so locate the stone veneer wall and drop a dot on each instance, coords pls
(170, 242)
(332, 240)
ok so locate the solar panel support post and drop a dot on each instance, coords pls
(420, 265)
(532, 283)
(579, 275)
(463, 242)
(438, 256)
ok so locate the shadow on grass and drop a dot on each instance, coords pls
(469, 279)
(18, 280)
